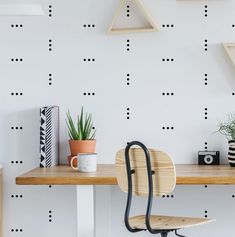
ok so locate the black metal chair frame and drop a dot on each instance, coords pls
(150, 173)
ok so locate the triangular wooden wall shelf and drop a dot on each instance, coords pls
(152, 25)
(227, 47)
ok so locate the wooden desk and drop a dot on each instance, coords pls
(105, 175)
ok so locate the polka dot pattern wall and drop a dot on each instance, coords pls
(167, 89)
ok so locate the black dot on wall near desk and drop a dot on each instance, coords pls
(168, 60)
(205, 44)
(128, 45)
(50, 45)
(167, 26)
(127, 113)
(168, 128)
(17, 196)
(50, 79)
(128, 79)
(50, 10)
(205, 113)
(50, 215)
(89, 26)
(16, 25)
(128, 10)
(205, 10)
(205, 79)
(167, 196)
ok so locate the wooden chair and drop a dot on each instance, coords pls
(148, 172)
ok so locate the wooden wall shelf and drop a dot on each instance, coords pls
(227, 47)
(105, 175)
(152, 25)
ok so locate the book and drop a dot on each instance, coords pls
(49, 136)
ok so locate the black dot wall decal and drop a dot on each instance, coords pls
(89, 93)
(17, 230)
(167, 26)
(128, 45)
(128, 10)
(50, 79)
(16, 162)
(16, 25)
(205, 145)
(205, 79)
(205, 10)
(16, 93)
(50, 10)
(16, 128)
(205, 45)
(167, 93)
(128, 79)
(89, 25)
(167, 128)
(16, 59)
(127, 113)
(233, 196)
(168, 196)
(233, 93)
(168, 60)
(50, 215)
(50, 45)
(88, 60)
(17, 196)
(206, 113)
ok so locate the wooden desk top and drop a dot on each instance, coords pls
(105, 175)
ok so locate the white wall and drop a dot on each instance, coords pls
(106, 77)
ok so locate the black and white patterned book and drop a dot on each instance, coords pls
(49, 136)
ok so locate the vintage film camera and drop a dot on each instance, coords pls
(208, 158)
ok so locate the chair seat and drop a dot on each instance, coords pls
(167, 222)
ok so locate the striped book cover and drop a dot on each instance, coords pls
(49, 136)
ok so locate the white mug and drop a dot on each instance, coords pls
(86, 162)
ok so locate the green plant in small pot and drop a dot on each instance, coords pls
(81, 133)
(227, 128)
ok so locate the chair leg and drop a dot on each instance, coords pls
(164, 234)
(176, 233)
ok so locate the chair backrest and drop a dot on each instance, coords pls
(164, 178)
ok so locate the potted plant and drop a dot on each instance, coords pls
(227, 128)
(81, 133)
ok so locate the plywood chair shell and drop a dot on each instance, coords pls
(164, 179)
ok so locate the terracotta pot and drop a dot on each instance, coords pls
(82, 146)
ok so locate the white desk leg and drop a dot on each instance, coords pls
(85, 211)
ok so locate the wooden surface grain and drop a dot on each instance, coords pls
(106, 175)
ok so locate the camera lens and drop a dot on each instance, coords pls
(208, 159)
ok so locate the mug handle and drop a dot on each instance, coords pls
(71, 162)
